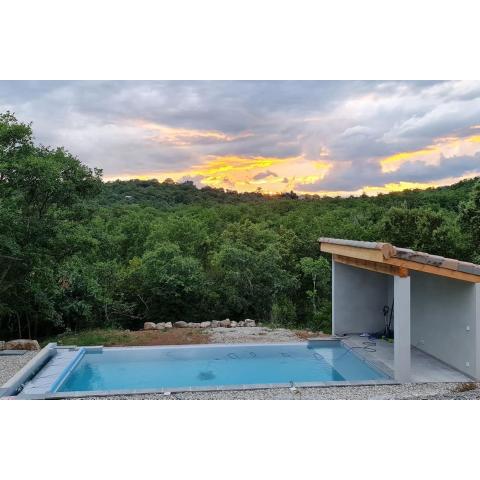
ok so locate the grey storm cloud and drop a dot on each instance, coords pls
(266, 174)
(347, 178)
(447, 167)
(117, 125)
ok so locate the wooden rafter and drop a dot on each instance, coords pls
(372, 266)
(354, 252)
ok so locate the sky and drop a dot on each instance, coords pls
(323, 137)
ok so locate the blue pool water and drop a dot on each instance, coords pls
(214, 365)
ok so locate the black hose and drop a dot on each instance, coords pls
(367, 346)
(390, 319)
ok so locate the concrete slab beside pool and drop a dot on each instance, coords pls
(424, 367)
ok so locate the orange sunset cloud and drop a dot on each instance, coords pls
(446, 147)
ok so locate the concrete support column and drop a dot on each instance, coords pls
(402, 342)
(476, 330)
(334, 263)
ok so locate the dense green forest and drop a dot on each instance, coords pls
(77, 253)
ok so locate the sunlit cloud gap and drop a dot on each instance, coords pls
(447, 147)
(183, 137)
(243, 174)
(395, 187)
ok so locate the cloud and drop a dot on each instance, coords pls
(266, 174)
(183, 137)
(311, 136)
(346, 178)
(444, 168)
(432, 154)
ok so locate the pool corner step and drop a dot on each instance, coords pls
(331, 338)
(54, 372)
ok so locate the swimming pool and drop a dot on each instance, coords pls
(211, 367)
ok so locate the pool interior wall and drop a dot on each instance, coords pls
(87, 371)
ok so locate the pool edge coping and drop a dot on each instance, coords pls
(55, 395)
(218, 388)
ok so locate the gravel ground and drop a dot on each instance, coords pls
(252, 335)
(419, 391)
(11, 364)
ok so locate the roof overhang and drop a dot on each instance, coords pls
(385, 258)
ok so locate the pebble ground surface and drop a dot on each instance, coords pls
(11, 364)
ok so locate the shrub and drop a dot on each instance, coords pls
(283, 313)
(322, 320)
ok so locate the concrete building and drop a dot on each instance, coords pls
(433, 303)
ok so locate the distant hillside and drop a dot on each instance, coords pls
(168, 194)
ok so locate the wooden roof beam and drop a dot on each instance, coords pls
(369, 254)
(372, 266)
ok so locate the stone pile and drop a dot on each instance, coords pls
(227, 323)
(157, 326)
(20, 344)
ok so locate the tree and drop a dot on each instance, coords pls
(470, 220)
(250, 281)
(48, 178)
(423, 229)
(189, 232)
(15, 142)
(317, 272)
(168, 285)
(41, 191)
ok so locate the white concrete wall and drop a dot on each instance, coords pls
(358, 297)
(444, 316)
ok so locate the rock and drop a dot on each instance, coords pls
(249, 322)
(2, 345)
(225, 323)
(215, 324)
(205, 324)
(22, 345)
(180, 324)
(168, 325)
(160, 325)
(149, 326)
(241, 323)
(194, 325)
(233, 323)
